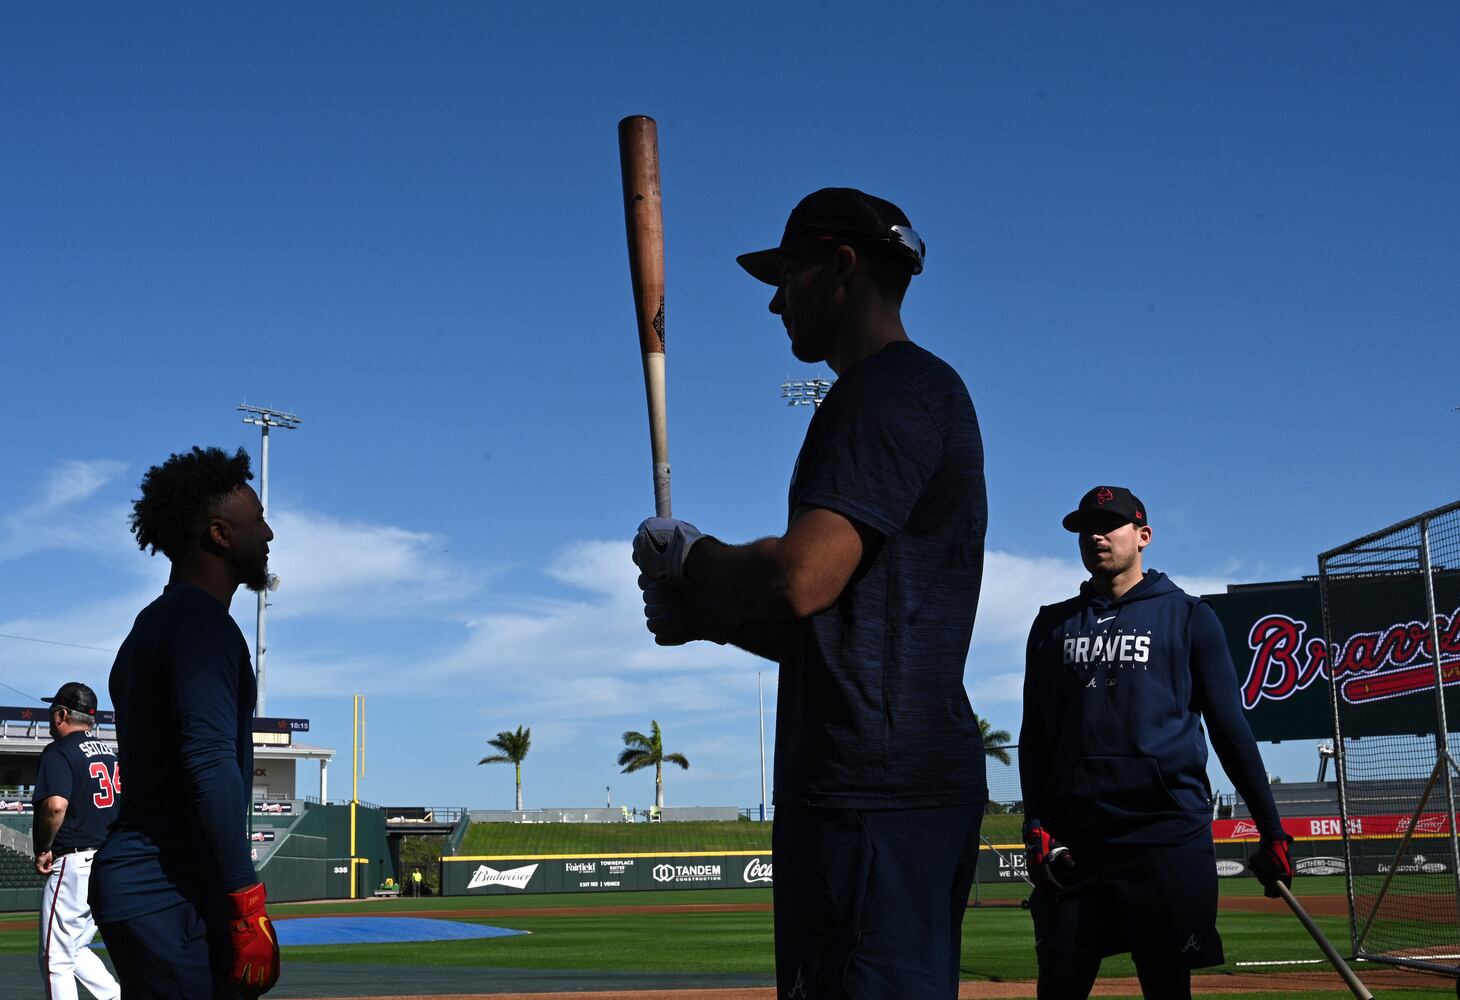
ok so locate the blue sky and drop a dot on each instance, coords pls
(1208, 252)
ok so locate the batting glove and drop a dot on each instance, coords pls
(678, 614)
(662, 545)
(1272, 863)
(1046, 858)
(255, 947)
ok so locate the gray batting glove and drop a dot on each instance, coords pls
(678, 614)
(662, 545)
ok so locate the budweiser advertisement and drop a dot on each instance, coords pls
(1285, 664)
(1433, 824)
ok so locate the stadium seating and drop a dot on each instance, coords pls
(16, 871)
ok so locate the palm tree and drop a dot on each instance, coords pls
(514, 747)
(994, 741)
(641, 751)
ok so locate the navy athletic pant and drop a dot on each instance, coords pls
(171, 954)
(870, 903)
(1157, 902)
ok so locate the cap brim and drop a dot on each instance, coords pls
(1075, 520)
(49, 701)
(763, 265)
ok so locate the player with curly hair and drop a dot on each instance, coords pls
(174, 888)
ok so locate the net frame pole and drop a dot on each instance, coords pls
(1340, 755)
(1443, 760)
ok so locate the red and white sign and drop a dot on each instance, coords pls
(1312, 827)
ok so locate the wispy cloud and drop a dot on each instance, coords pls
(68, 513)
(330, 567)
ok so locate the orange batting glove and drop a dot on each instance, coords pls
(255, 947)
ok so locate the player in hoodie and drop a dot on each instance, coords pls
(1112, 757)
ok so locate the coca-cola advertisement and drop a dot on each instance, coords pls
(1284, 662)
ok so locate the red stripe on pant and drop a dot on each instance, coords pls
(51, 924)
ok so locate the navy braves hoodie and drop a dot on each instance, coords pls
(1112, 748)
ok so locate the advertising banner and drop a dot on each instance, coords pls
(263, 808)
(1431, 824)
(604, 873)
(1284, 666)
(1005, 862)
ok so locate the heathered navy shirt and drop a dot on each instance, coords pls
(872, 713)
(183, 689)
(1112, 748)
(82, 770)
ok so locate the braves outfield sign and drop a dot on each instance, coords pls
(604, 873)
(1285, 664)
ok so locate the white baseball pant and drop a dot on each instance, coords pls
(67, 930)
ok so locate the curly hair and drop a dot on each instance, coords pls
(178, 494)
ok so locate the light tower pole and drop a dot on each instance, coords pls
(264, 419)
(760, 700)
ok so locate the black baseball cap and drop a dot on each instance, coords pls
(840, 215)
(1107, 500)
(75, 696)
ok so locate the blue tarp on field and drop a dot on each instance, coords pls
(374, 930)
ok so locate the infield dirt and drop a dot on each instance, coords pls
(1276, 983)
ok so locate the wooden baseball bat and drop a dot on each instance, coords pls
(1350, 980)
(638, 146)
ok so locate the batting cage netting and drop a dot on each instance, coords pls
(1391, 614)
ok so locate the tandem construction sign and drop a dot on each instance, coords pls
(472, 876)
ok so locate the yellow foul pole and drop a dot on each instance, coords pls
(357, 771)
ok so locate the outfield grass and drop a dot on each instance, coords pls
(998, 943)
(514, 839)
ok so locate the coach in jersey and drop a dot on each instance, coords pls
(77, 788)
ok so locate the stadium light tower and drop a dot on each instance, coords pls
(760, 700)
(264, 419)
(805, 392)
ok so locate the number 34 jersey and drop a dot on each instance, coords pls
(82, 770)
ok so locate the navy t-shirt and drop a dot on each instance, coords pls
(82, 770)
(872, 712)
(183, 689)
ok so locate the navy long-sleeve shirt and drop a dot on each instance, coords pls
(1112, 748)
(183, 689)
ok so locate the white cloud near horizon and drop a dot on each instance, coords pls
(385, 610)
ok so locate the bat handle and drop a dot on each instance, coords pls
(661, 490)
(1356, 987)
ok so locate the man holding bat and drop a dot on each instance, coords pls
(1112, 759)
(867, 602)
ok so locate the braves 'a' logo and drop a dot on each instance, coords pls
(1104, 495)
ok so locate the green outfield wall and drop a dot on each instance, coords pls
(552, 873)
(311, 860)
(489, 876)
